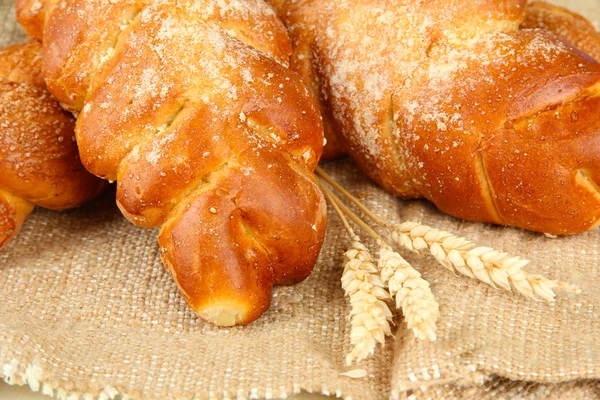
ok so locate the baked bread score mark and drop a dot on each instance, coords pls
(190, 107)
(39, 162)
(490, 121)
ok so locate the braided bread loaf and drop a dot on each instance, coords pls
(566, 24)
(39, 163)
(189, 106)
(450, 101)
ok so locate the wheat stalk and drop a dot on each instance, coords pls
(369, 316)
(404, 283)
(365, 283)
(493, 267)
(411, 292)
(497, 269)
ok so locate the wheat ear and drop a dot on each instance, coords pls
(491, 266)
(369, 315)
(411, 292)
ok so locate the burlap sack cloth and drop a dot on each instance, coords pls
(88, 310)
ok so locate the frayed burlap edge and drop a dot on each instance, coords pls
(31, 373)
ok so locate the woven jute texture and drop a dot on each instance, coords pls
(87, 310)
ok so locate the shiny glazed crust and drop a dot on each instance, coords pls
(189, 106)
(39, 162)
(451, 101)
(566, 24)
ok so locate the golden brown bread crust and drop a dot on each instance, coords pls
(39, 162)
(190, 107)
(569, 26)
(21, 63)
(32, 15)
(244, 229)
(300, 62)
(564, 23)
(448, 100)
(13, 212)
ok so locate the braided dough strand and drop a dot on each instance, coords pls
(190, 107)
(452, 101)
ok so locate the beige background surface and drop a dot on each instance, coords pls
(8, 392)
(482, 332)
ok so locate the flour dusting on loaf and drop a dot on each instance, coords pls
(162, 86)
(434, 98)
